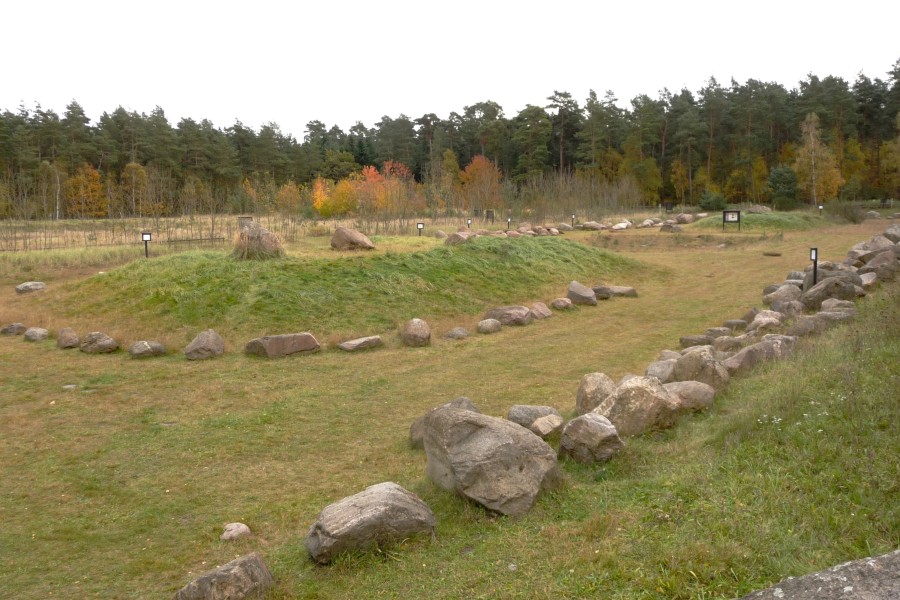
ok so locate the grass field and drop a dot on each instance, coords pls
(120, 486)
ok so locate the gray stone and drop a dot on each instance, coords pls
(766, 320)
(285, 344)
(727, 343)
(234, 531)
(831, 287)
(67, 338)
(207, 344)
(794, 275)
(684, 218)
(789, 309)
(457, 333)
(417, 429)
(771, 347)
(561, 304)
(350, 239)
(146, 349)
(735, 324)
(592, 390)
(363, 343)
(784, 293)
(617, 291)
(873, 214)
(668, 354)
(593, 226)
(661, 369)
(700, 364)
(693, 395)
(638, 405)
(869, 280)
(13, 329)
(715, 332)
(833, 304)
(831, 272)
(488, 460)
(441, 235)
(884, 264)
(97, 342)
(579, 293)
(876, 578)
(384, 513)
(590, 438)
(489, 326)
(510, 315)
(416, 333)
(547, 425)
(36, 334)
(892, 233)
(564, 227)
(526, 414)
(539, 310)
(244, 577)
(30, 286)
(459, 237)
(689, 341)
(670, 228)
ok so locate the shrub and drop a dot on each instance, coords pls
(254, 242)
(712, 201)
(845, 210)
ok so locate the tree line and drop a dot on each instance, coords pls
(750, 142)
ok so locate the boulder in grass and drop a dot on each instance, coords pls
(13, 329)
(771, 347)
(564, 227)
(670, 228)
(593, 389)
(700, 364)
(363, 343)
(884, 264)
(491, 461)
(539, 310)
(441, 235)
(876, 578)
(345, 238)
(67, 338)
(510, 315)
(244, 577)
(285, 344)
(31, 286)
(735, 324)
(235, 531)
(684, 218)
(254, 242)
(869, 280)
(661, 369)
(417, 429)
(689, 341)
(766, 320)
(459, 237)
(783, 293)
(489, 326)
(561, 304)
(36, 334)
(830, 287)
(146, 349)
(579, 293)
(590, 438)
(614, 291)
(381, 514)
(833, 304)
(693, 395)
(540, 420)
(759, 209)
(415, 333)
(892, 233)
(639, 405)
(457, 333)
(207, 344)
(98, 342)
(592, 226)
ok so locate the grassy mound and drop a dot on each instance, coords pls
(774, 221)
(359, 294)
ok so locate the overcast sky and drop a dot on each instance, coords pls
(339, 62)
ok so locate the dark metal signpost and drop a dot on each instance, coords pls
(146, 236)
(731, 216)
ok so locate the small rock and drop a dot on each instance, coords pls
(30, 286)
(146, 349)
(416, 333)
(67, 338)
(539, 310)
(561, 304)
(36, 334)
(489, 326)
(207, 344)
(457, 333)
(13, 329)
(97, 342)
(579, 293)
(590, 438)
(363, 343)
(234, 531)
(244, 577)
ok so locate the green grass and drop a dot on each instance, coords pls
(359, 295)
(768, 222)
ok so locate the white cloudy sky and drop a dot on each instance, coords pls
(344, 61)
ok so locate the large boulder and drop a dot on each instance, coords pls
(363, 343)
(784, 293)
(638, 405)
(13, 329)
(689, 341)
(590, 438)
(36, 334)
(830, 287)
(350, 239)
(207, 344)
(489, 326)
(67, 338)
(884, 265)
(235, 531)
(30, 286)
(539, 310)
(146, 349)
(491, 461)
(255, 242)
(771, 347)
(684, 218)
(593, 389)
(459, 237)
(893, 233)
(276, 346)
(417, 429)
(864, 250)
(244, 577)
(384, 513)
(415, 333)
(579, 293)
(830, 271)
(97, 342)
(510, 315)
(876, 578)
(661, 369)
(693, 395)
(700, 364)
(766, 320)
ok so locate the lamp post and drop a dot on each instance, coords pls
(146, 236)
(573, 219)
(821, 206)
(420, 227)
(814, 257)
(469, 223)
(508, 223)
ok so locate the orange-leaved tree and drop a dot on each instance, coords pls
(481, 184)
(84, 193)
